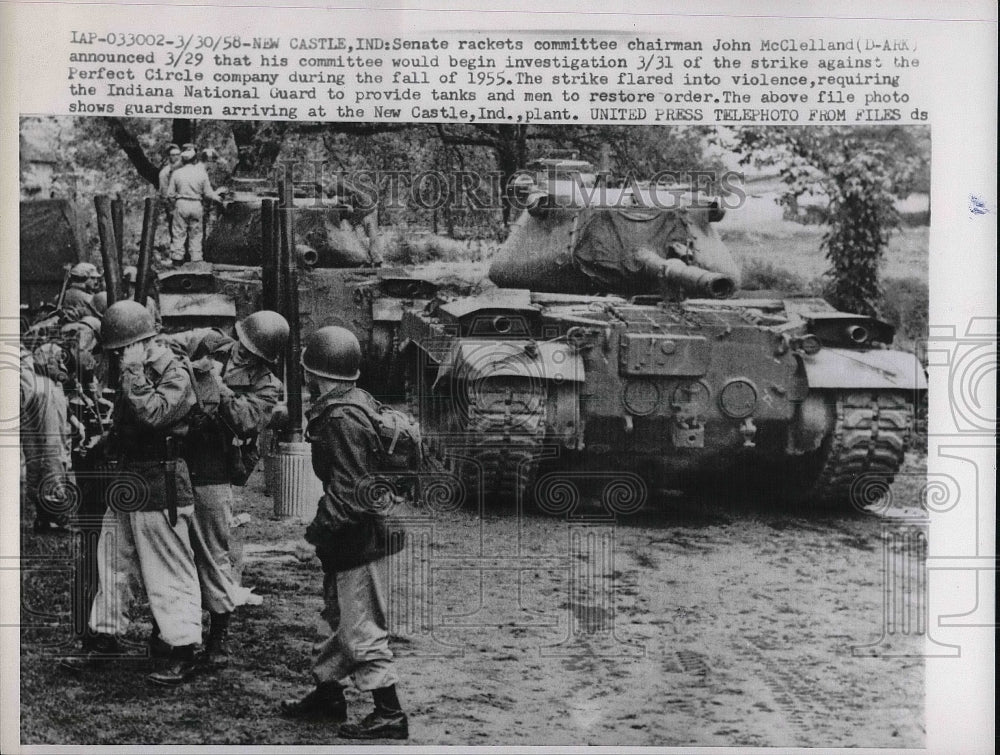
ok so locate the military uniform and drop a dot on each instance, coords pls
(146, 527)
(189, 186)
(351, 541)
(351, 535)
(77, 295)
(168, 207)
(237, 406)
(45, 442)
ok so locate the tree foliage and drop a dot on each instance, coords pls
(123, 156)
(861, 171)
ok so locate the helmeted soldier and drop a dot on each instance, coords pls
(351, 540)
(189, 186)
(88, 414)
(99, 303)
(146, 532)
(237, 392)
(81, 339)
(84, 280)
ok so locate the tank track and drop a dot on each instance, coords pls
(499, 453)
(871, 431)
(499, 459)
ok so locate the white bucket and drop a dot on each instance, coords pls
(298, 490)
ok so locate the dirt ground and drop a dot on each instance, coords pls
(686, 623)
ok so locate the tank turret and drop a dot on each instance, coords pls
(575, 237)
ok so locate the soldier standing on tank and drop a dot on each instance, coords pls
(351, 541)
(172, 162)
(147, 534)
(237, 392)
(188, 187)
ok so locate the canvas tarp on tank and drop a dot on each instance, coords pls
(335, 233)
(589, 251)
(50, 239)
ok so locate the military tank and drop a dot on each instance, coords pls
(615, 352)
(341, 278)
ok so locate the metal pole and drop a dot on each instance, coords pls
(150, 209)
(293, 369)
(109, 248)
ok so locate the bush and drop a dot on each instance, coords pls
(905, 304)
(763, 275)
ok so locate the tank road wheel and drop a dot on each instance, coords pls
(870, 433)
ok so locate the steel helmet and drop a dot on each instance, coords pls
(94, 323)
(264, 334)
(100, 303)
(83, 270)
(332, 352)
(125, 323)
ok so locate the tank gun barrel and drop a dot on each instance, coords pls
(691, 279)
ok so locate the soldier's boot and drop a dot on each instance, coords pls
(157, 647)
(387, 721)
(216, 652)
(325, 703)
(180, 667)
(99, 651)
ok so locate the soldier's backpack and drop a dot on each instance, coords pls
(400, 445)
(400, 448)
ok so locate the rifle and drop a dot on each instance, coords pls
(65, 285)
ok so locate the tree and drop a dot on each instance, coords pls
(862, 171)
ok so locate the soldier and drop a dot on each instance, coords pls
(150, 535)
(173, 160)
(237, 393)
(84, 281)
(188, 188)
(351, 540)
(45, 442)
(99, 303)
(88, 413)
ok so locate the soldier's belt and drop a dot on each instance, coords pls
(144, 452)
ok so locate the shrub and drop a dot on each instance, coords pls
(763, 275)
(905, 304)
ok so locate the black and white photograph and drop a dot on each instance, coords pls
(482, 380)
(472, 434)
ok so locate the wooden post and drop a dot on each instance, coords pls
(109, 248)
(290, 305)
(150, 209)
(118, 219)
(269, 256)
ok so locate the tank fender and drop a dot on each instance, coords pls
(478, 359)
(875, 369)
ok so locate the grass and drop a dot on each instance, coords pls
(796, 248)
(788, 257)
